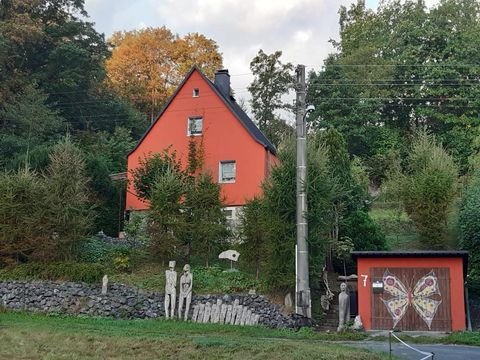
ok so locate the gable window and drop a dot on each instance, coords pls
(227, 171)
(196, 92)
(195, 126)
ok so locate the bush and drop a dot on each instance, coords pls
(67, 271)
(365, 233)
(470, 230)
(214, 279)
(427, 188)
(96, 250)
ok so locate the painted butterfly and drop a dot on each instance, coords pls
(402, 298)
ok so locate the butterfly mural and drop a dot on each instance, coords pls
(419, 298)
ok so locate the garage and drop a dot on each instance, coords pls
(412, 290)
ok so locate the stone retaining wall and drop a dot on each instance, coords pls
(122, 301)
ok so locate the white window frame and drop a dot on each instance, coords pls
(196, 92)
(191, 119)
(220, 172)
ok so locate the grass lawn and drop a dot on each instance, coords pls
(30, 336)
(458, 338)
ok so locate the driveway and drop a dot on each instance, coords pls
(442, 352)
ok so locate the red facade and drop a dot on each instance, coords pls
(236, 153)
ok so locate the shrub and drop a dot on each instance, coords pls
(427, 188)
(117, 256)
(67, 271)
(214, 279)
(470, 230)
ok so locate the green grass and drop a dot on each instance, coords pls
(398, 228)
(400, 231)
(457, 338)
(30, 336)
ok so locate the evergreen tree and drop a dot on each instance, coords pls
(67, 199)
(24, 230)
(426, 188)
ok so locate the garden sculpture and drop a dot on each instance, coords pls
(186, 282)
(170, 289)
(231, 255)
(104, 285)
(343, 307)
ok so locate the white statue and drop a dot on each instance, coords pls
(357, 323)
(104, 285)
(170, 289)
(343, 307)
(186, 282)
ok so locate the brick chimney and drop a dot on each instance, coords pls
(222, 82)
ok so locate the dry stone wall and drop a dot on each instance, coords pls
(124, 302)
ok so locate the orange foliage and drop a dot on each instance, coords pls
(147, 65)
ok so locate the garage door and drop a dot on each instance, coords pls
(411, 298)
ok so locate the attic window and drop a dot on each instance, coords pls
(196, 92)
(227, 171)
(195, 126)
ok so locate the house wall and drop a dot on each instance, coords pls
(224, 138)
(455, 266)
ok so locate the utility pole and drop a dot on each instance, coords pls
(302, 288)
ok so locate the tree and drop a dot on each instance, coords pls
(272, 79)
(206, 220)
(166, 223)
(185, 205)
(427, 188)
(470, 229)
(52, 82)
(29, 126)
(23, 229)
(147, 65)
(152, 167)
(68, 198)
(398, 68)
(254, 234)
(335, 202)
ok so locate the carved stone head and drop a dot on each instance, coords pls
(171, 264)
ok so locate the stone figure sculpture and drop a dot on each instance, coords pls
(343, 307)
(170, 289)
(104, 285)
(186, 283)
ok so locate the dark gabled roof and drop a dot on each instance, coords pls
(244, 119)
(414, 253)
(230, 102)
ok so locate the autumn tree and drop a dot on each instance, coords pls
(147, 65)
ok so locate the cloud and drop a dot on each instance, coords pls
(300, 28)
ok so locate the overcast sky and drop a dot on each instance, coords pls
(300, 28)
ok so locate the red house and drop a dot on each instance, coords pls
(412, 290)
(236, 152)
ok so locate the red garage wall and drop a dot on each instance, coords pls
(454, 264)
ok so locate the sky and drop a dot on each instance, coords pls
(300, 28)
